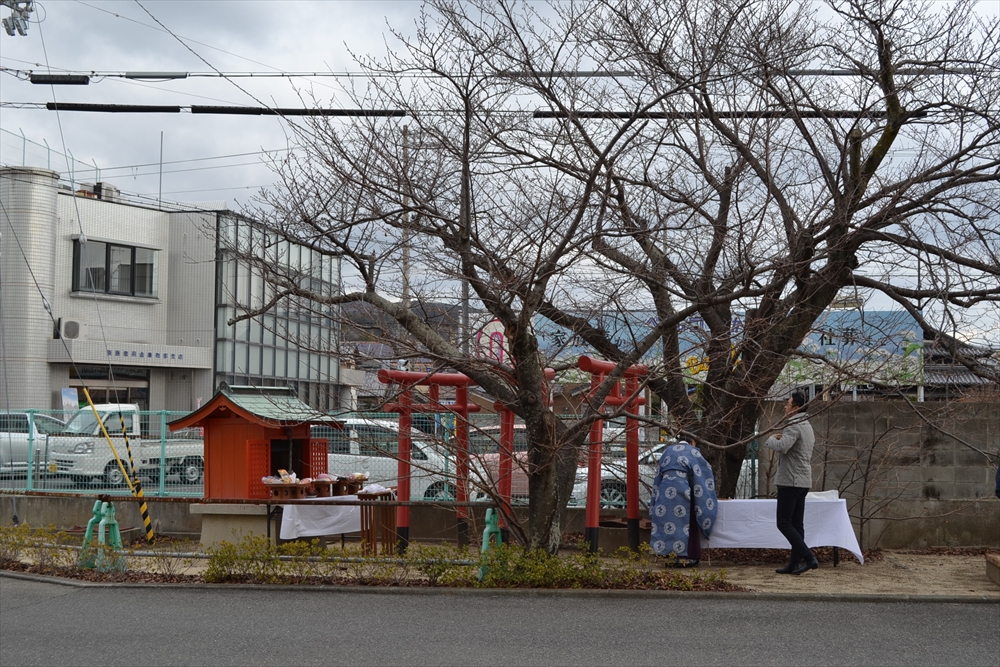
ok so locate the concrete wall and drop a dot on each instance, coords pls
(168, 518)
(913, 476)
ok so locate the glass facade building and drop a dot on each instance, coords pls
(295, 343)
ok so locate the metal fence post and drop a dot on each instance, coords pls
(30, 481)
(163, 452)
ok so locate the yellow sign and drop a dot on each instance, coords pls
(697, 364)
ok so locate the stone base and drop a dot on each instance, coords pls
(993, 568)
(224, 522)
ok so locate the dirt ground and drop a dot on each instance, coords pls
(891, 573)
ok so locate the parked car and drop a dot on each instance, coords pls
(82, 453)
(25, 436)
(484, 450)
(371, 446)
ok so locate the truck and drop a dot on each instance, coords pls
(25, 435)
(82, 453)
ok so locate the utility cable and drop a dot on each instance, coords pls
(97, 308)
(79, 220)
(163, 28)
(6, 382)
(198, 56)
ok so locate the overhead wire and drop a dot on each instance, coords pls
(79, 224)
(163, 28)
(130, 82)
(136, 488)
(199, 56)
(200, 159)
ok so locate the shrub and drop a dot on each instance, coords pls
(14, 541)
(254, 560)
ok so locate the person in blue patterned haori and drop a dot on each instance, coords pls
(683, 504)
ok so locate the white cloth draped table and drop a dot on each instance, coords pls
(304, 520)
(750, 524)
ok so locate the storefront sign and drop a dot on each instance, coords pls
(142, 354)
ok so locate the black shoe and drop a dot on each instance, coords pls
(810, 564)
(788, 569)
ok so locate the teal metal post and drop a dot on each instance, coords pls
(163, 452)
(30, 483)
(109, 557)
(87, 554)
(492, 530)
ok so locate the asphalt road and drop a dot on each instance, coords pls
(49, 624)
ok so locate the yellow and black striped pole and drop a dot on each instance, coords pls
(133, 481)
(137, 481)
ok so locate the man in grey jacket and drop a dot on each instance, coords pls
(794, 446)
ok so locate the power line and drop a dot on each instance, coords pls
(164, 29)
(235, 187)
(29, 75)
(208, 109)
(401, 113)
(195, 53)
(199, 159)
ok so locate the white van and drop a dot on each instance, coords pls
(25, 436)
(371, 446)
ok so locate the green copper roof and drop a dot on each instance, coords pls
(279, 404)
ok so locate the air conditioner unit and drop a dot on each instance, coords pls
(107, 192)
(72, 330)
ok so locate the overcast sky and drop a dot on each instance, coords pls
(231, 35)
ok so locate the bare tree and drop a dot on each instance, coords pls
(718, 159)
(773, 156)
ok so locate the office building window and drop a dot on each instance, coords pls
(113, 268)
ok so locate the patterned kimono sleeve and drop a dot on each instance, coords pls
(706, 503)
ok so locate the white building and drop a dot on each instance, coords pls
(133, 302)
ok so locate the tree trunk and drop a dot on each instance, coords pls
(551, 474)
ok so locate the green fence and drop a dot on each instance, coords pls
(39, 451)
(36, 454)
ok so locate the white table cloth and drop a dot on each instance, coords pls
(750, 524)
(304, 520)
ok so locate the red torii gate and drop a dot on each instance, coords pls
(598, 370)
(406, 408)
(461, 407)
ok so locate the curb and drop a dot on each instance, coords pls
(521, 592)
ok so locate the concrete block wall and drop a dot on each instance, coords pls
(914, 475)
